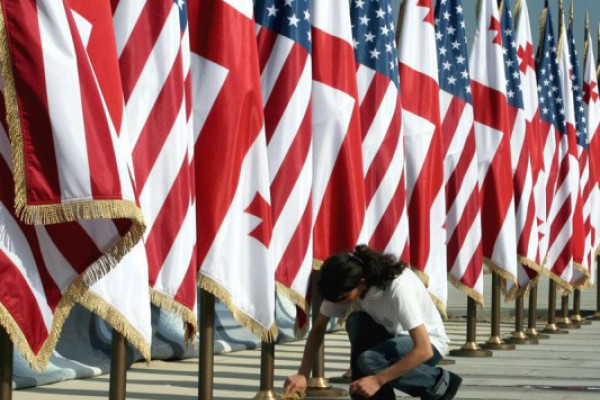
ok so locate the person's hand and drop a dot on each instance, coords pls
(366, 387)
(294, 383)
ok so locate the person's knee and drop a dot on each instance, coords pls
(369, 362)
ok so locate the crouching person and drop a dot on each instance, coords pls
(396, 338)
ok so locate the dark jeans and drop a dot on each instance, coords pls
(373, 349)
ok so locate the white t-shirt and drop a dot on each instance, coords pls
(403, 305)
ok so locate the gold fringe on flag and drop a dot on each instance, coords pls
(169, 304)
(292, 295)
(505, 277)
(117, 321)
(478, 297)
(267, 335)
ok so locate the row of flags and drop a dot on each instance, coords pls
(149, 147)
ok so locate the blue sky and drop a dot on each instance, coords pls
(535, 9)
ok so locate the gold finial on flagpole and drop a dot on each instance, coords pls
(561, 16)
(586, 35)
(572, 14)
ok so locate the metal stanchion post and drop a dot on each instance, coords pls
(564, 322)
(551, 327)
(6, 365)
(118, 367)
(532, 331)
(518, 336)
(471, 348)
(495, 342)
(267, 372)
(576, 318)
(207, 343)
(318, 385)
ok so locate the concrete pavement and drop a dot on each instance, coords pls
(562, 367)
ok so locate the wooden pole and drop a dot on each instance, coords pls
(318, 385)
(596, 316)
(267, 372)
(6, 365)
(495, 342)
(519, 336)
(118, 367)
(551, 327)
(207, 343)
(576, 317)
(471, 348)
(532, 331)
(564, 322)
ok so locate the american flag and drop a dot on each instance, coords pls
(559, 257)
(492, 133)
(386, 220)
(463, 219)
(338, 184)
(284, 48)
(592, 119)
(232, 176)
(423, 143)
(527, 233)
(582, 245)
(153, 49)
(529, 85)
(75, 217)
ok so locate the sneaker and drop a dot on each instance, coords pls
(453, 385)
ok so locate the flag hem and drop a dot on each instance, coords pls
(267, 335)
(171, 305)
(292, 295)
(95, 304)
(505, 277)
(469, 291)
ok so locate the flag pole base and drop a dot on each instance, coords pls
(534, 334)
(6, 365)
(566, 323)
(520, 338)
(595, 317)
(579, 320)
(552, 329)
(266, 395)
(496, 343)
(320, 387)
(470, 349)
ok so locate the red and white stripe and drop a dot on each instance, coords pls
(338, 184)
(154, 62)
(423, 144)
(592, 118)
(286, 70)
(386, 219)
(232, 177)
(69, 103)
(561, 213)
(492, 131)
(526, 54)
(521, 138)
(463, 218)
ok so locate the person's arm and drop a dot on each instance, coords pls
(298, 382)
(420, 353)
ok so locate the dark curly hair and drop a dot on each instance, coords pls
(342, 272)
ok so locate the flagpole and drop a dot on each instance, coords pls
(207, 343)
(519, 336)
(532, 331)
(267, 372)
(318, 385)
(118, 367)
(551, 327)
(495, 342)
(471, 348)
(564, 322)
(576, 317)
(6, 365)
